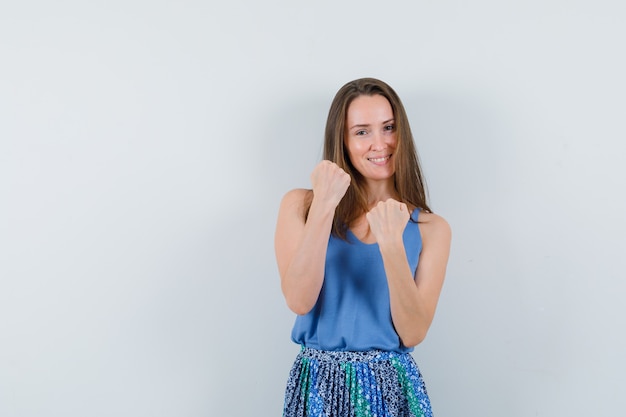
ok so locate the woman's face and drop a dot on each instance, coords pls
(370, 137)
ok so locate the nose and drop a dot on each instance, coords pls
(379, 141)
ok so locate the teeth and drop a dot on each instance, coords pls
(382, 159)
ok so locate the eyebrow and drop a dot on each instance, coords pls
(366, 125)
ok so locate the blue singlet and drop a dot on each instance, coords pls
(353, 312)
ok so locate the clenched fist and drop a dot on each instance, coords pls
(329, 182)
(388, 219)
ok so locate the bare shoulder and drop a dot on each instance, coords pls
(434, 227)
(296, 198)
(294, 202)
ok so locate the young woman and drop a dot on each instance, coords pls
(362, 261)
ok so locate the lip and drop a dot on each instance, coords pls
(380, 160)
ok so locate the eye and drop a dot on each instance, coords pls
(360, 132)
(390, 128)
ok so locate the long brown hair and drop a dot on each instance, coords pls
(408, 178)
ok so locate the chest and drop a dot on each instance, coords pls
(361, 230)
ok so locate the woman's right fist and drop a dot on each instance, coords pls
(329, 182)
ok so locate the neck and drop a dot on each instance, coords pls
(380, 191)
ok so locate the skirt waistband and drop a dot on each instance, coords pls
(374, 355)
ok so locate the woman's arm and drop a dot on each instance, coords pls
(413, 298)
(301, 245)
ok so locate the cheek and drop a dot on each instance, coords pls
(354, 148)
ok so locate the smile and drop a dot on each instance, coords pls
(379, 160)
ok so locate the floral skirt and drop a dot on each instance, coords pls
(355, 384)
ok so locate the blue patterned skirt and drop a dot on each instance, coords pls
(355, 384)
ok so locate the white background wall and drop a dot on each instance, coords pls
(145, 146)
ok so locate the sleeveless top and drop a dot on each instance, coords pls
(353, 312)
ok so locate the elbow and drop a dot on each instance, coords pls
(414, 339)
(298, 305)
(297, 301)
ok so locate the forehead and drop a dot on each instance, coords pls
(368, 110)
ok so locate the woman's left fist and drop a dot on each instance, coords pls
(388, 219)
